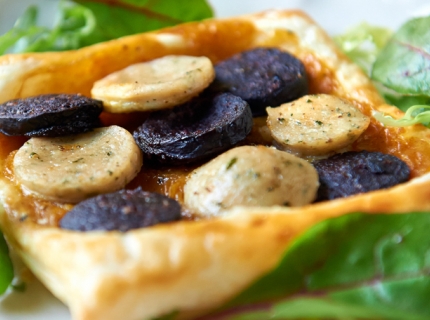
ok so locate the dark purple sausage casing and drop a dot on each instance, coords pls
(350, 173)
(263, 77)
(50, 115)
(203, 127)
(122, 210)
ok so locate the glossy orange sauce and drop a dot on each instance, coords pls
(170, 181)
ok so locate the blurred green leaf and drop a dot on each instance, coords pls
(404, 63)
(362, 43)
(365, 266)
(6, 267)
(84, 23)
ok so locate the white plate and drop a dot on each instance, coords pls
(36, 303)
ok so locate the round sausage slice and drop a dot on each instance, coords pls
(350, 173)
(123, 210)
(156, 84)
(205, 126)
(73, 168)
(263, 77)
(50, 115)
(316, 125)
(250, 176)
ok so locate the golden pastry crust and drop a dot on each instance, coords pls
(191, 266)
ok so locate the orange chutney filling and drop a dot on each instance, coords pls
(170, 180)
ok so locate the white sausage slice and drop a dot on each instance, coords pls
(250, 176)
(157, 84)
(316, 125)
(72, 168)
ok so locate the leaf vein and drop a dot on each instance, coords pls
(142, 10)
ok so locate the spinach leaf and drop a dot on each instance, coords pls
(6, 267)
(356, 266)
(118, 18)
(82, 23)
(399, 64)
(404, 64)
(315, 308)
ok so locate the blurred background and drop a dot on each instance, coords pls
(333, 15)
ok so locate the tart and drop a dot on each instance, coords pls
(194, 265)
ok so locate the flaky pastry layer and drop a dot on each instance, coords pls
(194, 266)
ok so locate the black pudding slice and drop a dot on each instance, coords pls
(263, 77)
(49, 115)
(205, 126)
(350, 173)
(122, 210)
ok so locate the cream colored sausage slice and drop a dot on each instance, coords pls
(316, 125)
(157, 84)
(250, 176)
(72, 168)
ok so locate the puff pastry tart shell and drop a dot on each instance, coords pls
(189, 266)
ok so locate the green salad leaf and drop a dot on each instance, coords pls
(398, 64)
(82, 23)
(355, 266)
(404, 63)
(415, 114)
(404, 102)
(6, 267)
(362, 43)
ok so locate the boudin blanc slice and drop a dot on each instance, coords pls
(316, 125)
(157, 84)
(250, 176)
(73, 168)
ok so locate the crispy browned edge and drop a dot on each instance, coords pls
(187, 266)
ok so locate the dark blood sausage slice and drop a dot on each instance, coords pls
(49, 115)
(205, 126)
(122, 210)
(350, 173)
(263, 77)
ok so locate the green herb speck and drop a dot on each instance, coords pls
(231, 163)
